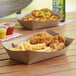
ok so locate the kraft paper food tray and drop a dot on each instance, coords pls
(30, 57)
(34, 25)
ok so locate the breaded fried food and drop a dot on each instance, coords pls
(41, 19)
(53, 17)
(41, 37)
(46, 12)
(37, 19)
(37, 13)
(57, 46)
(60, 38)
(42, 34)
(28, 18)
(58, 42)
(44, 19)
(42, 13)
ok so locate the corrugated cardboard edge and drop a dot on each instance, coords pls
(30, 57)
(37, 57)
(19, 56)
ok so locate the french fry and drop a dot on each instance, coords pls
(15, 44)
(21, 46)
(48, 49)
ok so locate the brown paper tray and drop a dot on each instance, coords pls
(34, 25)
(30, 57)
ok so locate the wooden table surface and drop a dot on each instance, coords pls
(60, 66)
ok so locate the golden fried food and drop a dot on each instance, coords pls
(41, 42)
(41, 37)
(28, 18)
(57, 46)
(60, 38)
(44, 19)
(41, 15)
(37, 19)
(47, 12)
(14, 44)
(39, 46)
(14, 49)
(37, 13)
(22, 46)
(47, 49)
(58, 42)
(41, 19)
(53, 17)
(42, 34)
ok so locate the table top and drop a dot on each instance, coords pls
(64, 65)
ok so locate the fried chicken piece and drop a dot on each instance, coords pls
(53, 17)
(44, 19)
(60, 38)
(37, 13)
(42, 13)
(41, 37)
(58, 42)
(41, 19)
(46, 12)
(57, 46)
(33, 40)
(28, 18)
(42, 34)
(37, 19)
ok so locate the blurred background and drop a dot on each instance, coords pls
(38, 4)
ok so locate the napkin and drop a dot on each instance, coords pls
(11, 36)
(66, 22)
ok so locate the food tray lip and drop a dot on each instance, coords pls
(29, 36)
